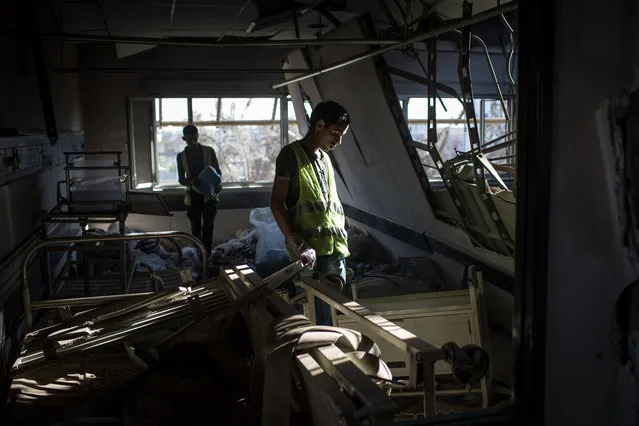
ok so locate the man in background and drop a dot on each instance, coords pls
(200, 209)
(305, 203)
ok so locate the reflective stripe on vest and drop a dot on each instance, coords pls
(208, 161)
(319, 221)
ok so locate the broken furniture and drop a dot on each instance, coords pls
(325, 369)
(398, 322)
(91, 243)
(91, 328)
(437, 317)
(491, 213)
(339, 379)
(97, 192)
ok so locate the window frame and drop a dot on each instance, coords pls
(482, 122)
(282, 122)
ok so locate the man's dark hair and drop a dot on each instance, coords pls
(189, 129)
(331, 112)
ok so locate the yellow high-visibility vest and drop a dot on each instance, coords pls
(318, 220)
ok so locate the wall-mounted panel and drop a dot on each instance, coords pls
(31, 187)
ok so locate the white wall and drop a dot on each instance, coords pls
(227, 223)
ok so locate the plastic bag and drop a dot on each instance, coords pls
(210, 181)
(271, 246)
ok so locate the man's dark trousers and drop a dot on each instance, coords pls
(202, 216)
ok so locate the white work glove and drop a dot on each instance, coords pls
(306, 254)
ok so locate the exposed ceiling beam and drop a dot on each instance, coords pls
(445, 27)
(178, 70)
(205, 42)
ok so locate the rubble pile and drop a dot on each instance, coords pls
(239, 250)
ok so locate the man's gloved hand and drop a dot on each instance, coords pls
(218, 189)
(302, 250)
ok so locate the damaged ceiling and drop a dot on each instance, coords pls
(229, 20)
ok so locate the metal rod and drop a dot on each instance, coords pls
(26, 294)
(422, 80)
(87, 317)
(85, 301)
(205, 42)
(499, 146)
(81, 153)
(96, 167)
(505, 157)
(172, 314)
(446, 27)
(492, 71)
(106, 220)
(498, 139)
(79, 203)
(180, 70)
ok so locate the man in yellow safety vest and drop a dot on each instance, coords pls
(200, 209)
(305, 203)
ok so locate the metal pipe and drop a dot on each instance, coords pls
(177, 250)
(89, 316)
(447, 26)
(499, 146)
(423, 80)
(492, 71)
(180, 70)
(85, 301)
(504, 157)
(159, 318)
(498, 139)
(81, 153)
(106, 220)
(96, 167)
(204, 42)
(26, 294)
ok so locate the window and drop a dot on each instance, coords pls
(172, 115)
(245, 133)
(499, 138)
(452, 132)
(293, 128)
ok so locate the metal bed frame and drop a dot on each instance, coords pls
(29, 306)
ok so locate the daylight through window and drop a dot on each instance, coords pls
(245, 133)
(452, 131)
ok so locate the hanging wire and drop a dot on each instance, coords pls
(511, 54)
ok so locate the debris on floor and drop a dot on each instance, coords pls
(238, 250)
(270, 251)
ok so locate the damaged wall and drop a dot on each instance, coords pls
(376, 174)
(376, 177)
(25, 193)
(104, 94)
